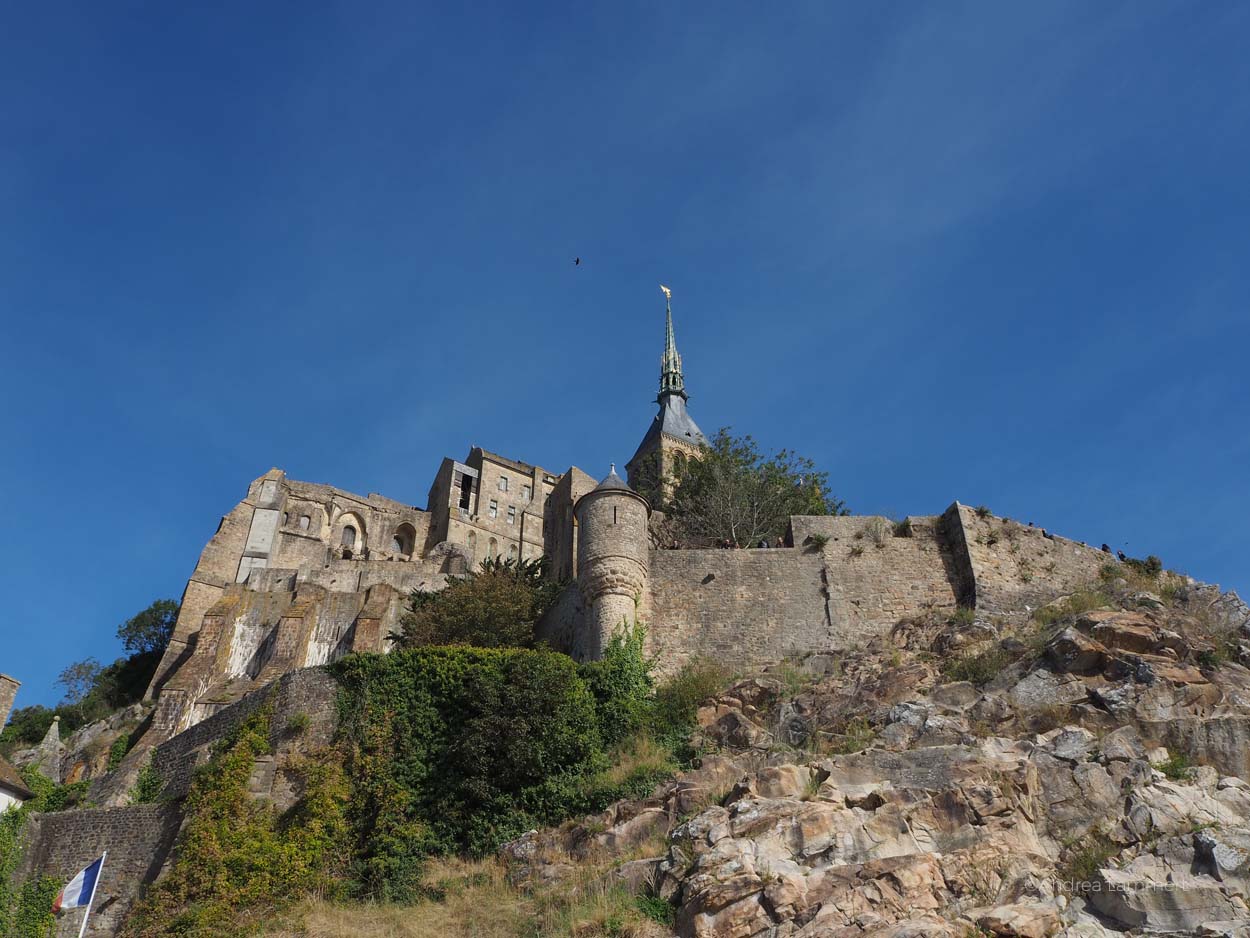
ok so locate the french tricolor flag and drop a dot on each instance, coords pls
(79, 890)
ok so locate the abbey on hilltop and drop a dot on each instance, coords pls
(299, 573)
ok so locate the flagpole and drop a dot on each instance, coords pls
(94, 886)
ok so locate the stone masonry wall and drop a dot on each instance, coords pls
(138, 840)
(877, 576)
(736, 606)
(1015, 566)
(755, 606)
(310, 691)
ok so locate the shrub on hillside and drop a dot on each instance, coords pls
(458, 749)
(495, 606)
(622, 686)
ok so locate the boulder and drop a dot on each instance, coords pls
(1152, 897)
(1075, 652)
(1023, 920)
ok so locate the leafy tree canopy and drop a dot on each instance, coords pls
(151, 629)
(733, 492)
(493, 607)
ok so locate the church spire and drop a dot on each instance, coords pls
(671, 379)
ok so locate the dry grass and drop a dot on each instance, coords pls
(478, 902)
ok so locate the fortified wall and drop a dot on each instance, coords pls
(300, 575)
(845, 580)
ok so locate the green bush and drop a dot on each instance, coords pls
(677, 702)
(1084, 858)
(459, 749)
(493, 607)
(148, 786)
(657, 909)
(117, 751)
(1177, 767)
(963, 615)
(621, 684)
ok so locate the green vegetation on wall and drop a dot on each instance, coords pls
(442, 750)
(237, 861)
(26, 910)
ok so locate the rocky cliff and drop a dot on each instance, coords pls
(1077, 770)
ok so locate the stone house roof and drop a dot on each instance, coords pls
(11, 780)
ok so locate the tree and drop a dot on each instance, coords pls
(731, 491)
(494, 607)
(79, 679)
(26, 726)
(151, 629)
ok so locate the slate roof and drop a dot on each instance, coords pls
(612, 483)
(673, 420)
(11, 780)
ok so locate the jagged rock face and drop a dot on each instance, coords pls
(886, 801)
(84, 754)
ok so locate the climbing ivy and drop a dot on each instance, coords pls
(237, 860)
(26, 910)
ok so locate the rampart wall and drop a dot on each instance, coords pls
(736, 606)
(310, 692)
(138, 840)
(1014, 566)
(846, 580)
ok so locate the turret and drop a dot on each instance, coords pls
(612, 550)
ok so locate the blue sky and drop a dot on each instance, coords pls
(994, 252)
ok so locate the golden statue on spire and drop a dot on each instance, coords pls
(668, 294)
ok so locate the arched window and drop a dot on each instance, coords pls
(349, 536)
(512, 553)
(286, 516)
(304, 522)
(493, 547)
(404, 540)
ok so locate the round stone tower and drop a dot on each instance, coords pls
(612, 548)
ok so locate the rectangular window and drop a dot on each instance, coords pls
(527, 492)
(494, 509)
(511, 515)
(503, 483)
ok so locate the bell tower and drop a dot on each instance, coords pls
(673, 434)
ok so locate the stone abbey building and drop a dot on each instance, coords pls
(299, 574)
